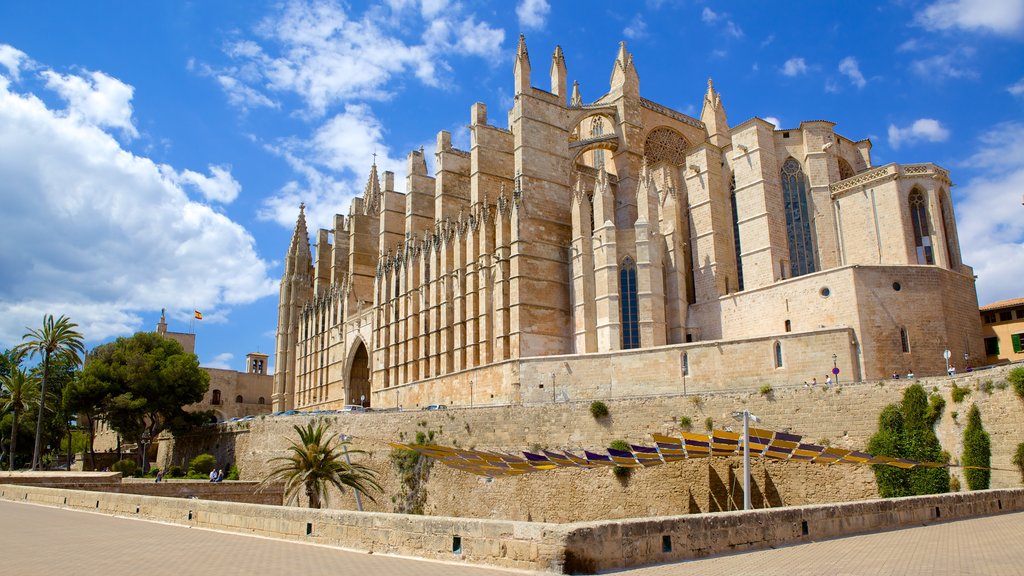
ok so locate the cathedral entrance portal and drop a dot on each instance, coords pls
(359, 378)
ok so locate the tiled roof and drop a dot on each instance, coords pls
(1012, 302)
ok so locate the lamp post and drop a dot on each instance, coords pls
(746, 417)
(835, 368)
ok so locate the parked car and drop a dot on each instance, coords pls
(436, 407)
(353, 408)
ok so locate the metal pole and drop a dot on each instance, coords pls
(746, 460)
(359, 502)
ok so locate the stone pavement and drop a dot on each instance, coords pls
(39, 540)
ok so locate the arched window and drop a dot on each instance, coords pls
(630, 307)
(798, 221)
(262, 400)
(238, 399)
(736, 233)
(919, 217)
(778, 354)
(789, 326)
(947, 231)
(845, 171)
(596, 130)
(904, 340)
(216, 397)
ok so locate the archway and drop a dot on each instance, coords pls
(359, 377)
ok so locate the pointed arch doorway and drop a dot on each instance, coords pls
(359, 377)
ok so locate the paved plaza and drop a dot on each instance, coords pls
(39, 540)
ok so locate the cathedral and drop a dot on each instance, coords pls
(621, 248)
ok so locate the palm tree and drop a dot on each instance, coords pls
(57, 339)
(315, 464)
(22, 391)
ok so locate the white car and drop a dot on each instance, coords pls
(353, 408)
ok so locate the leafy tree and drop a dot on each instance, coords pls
(905, 431)
(150, 378)
(22, 392)
(63, 372)
(316, 463)
(977, 452)
(88, 395)
(57, 339)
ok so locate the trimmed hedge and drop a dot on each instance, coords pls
(977, 452)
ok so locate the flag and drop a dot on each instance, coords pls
(199, 315)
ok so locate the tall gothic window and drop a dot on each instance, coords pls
(630, 307)
(597, 129)
(904, 340)
(798, 222)
(778, 355)
(919, 217)
(736, 233)
(947, 231)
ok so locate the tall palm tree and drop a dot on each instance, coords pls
(57, 339)
(316, 463)
(22, 391)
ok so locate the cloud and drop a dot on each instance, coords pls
(220, 186)
(104, 234)
(1017, 88)
(222, 361)
(636, 29)
(794, 67)
(97, 98)
(708, 16)
(773, 120)
(13, 59)
(988, 207)
(532, 13)
(851, 69)
(999, 16)
(942, 66)
(327, 56)
(924, 129)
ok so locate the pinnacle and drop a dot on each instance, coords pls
(521, 48)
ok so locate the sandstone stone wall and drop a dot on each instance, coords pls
(843, 416)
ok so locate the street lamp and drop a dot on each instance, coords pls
(835, 368)
(746, 416)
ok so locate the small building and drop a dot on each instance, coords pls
(1003, 330)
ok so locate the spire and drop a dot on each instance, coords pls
(299, 257)
(624, 74)
(576, 100)
(371, 195)
(713, 116)
(300, 232)
(558, 74)
(522, 67)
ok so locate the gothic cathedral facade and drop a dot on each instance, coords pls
(620, 248)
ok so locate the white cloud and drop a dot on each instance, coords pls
(794, 67)
(773, 120)
(999, 16)
(831, 86)
(851, 69)
(532, 13)
(12, 59)
(732, 29)
(708, 15)
(479, 39)
(243, 96)
(636, 29)
(988, 209)
(104, 234)
(96, 98)
(1017, 88)
(431, 8)
(942, 66)
(924, 129)
(222, 361)
(219, 186)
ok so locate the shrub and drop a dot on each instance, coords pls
(936, 404)
(766, 390)
(954, 484)
(977, 452)
(685, 422)
(986, 386)
(153, 472)
(126, 467)
(202, 465)
(233, 473)
(905, 430)
(621, 471)
(709, 423)
(1016, 379)
(959, 393)
(598, 409)
(176, 471)
(1018, 460)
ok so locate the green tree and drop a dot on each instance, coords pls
(905, 431)
(315, 463)
(22, 391)
(88, 395)
(150, 379)
(63, 372)
(977, 452)
(57, 339)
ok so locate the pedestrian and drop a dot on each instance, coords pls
(213, 475)
(220, 475)
(159, 476)
(814, 382)
(828, 380)
(910, 374)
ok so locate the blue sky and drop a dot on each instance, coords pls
(153, 154)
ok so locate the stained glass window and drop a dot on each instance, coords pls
(919, 217)
(629, 304)
(736, 233)
(798, 223)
